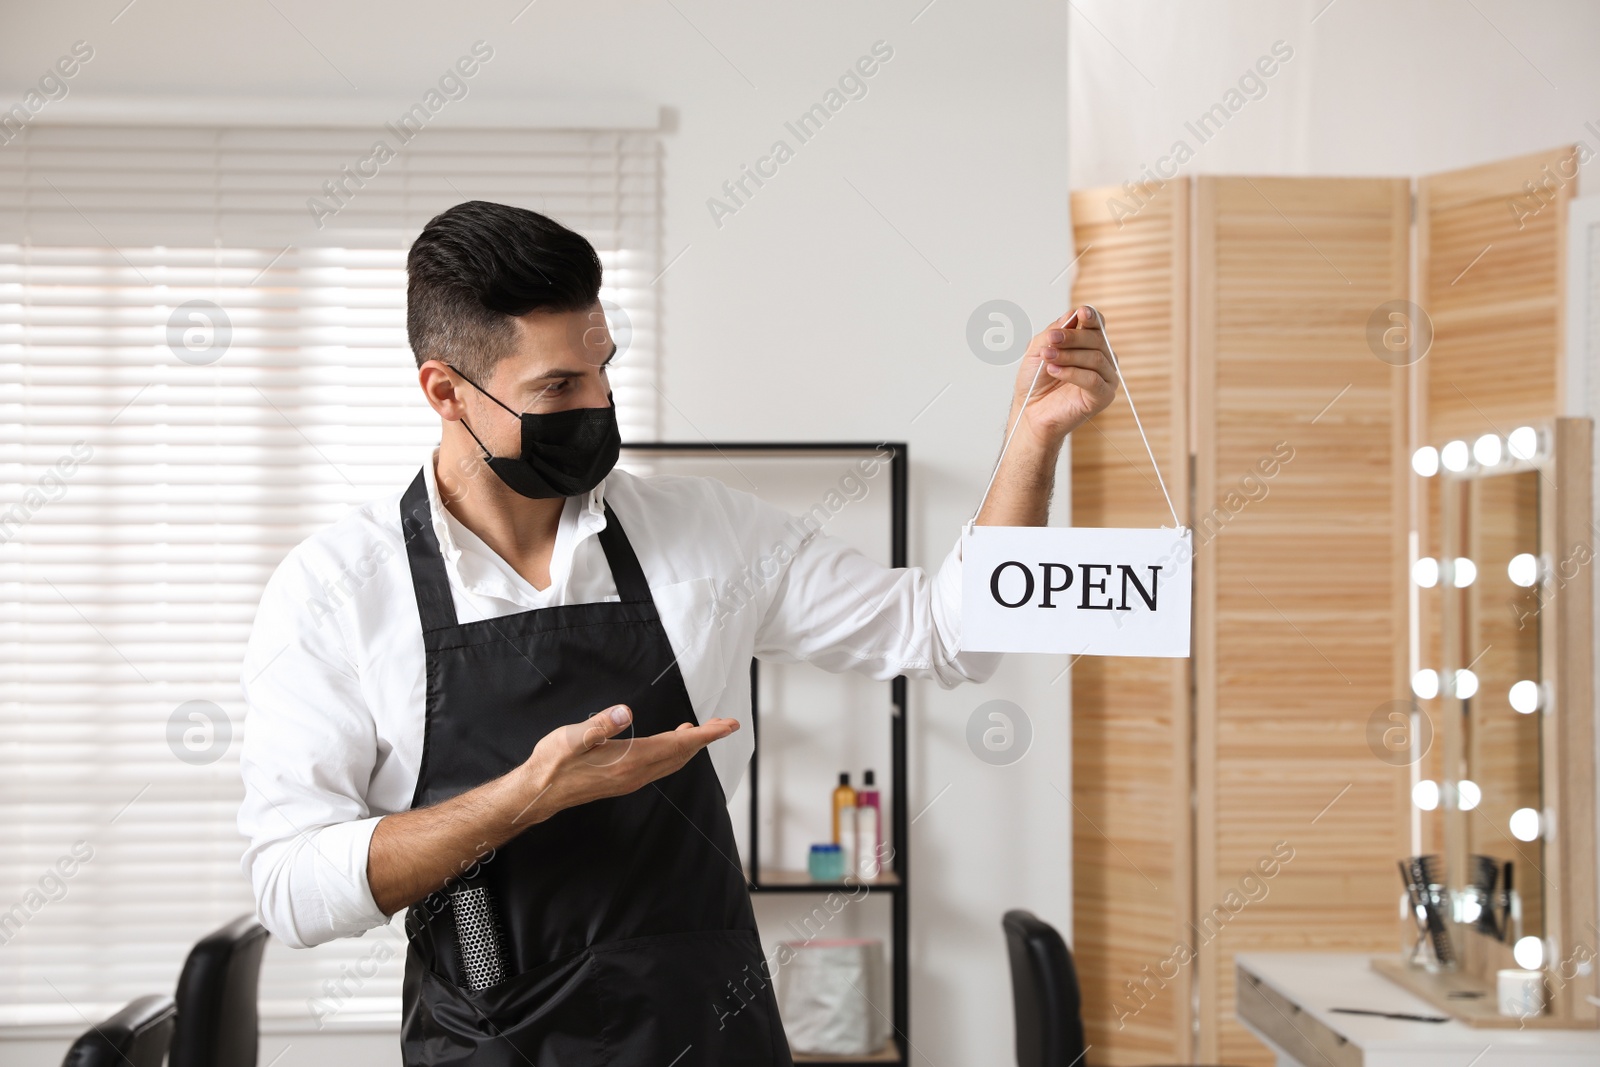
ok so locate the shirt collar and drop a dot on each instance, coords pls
(477, 568)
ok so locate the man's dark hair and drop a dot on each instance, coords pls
(476, 266)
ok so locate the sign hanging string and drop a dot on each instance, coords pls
(1136, 421)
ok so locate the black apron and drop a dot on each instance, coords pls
(625, 926)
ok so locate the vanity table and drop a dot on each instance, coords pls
(1285, 999)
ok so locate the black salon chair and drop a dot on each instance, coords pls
(1044, 992)
(217, 1021)
(136, 1036)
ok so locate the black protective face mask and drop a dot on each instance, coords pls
(564, 453)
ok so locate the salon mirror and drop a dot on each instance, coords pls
(1508, 678)
(1491, 664)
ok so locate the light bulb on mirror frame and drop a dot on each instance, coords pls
(1425, 572)
(1486, 450)
(1523, 569)
(1425, 461)
(1464, 684)
(1525, 697)
(1463, 572)
(1455, 456)
(1523, 442)
(1524, 824)
(1425, 683)
(1471, 909)
(1529, 953)
(1425, 794)
(1468, 795)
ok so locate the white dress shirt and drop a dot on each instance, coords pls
(333, 673)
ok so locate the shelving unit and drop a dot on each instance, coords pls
(895, 879)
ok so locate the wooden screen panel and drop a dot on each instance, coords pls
(1131, 858)
(1489, 262)
(1489, 268)
(1300, 598)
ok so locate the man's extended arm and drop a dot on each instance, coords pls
(1077, 382)
(415, 852)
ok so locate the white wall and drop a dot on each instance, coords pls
(833, 305)
(1375, 87)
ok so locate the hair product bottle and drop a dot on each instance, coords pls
(869, 829)
(843, 797)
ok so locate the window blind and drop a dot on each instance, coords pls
(199, 367)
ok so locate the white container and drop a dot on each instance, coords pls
(847, 838)
(834, 997)
(1521, 992)
(869, 835)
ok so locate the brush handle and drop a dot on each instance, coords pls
(479, 938)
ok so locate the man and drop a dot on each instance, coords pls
(488, 698)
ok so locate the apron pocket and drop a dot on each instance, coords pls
(549, 1015)
(705, 996)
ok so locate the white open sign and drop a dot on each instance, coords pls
(1079, 591)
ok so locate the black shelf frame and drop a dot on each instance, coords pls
(899, 887)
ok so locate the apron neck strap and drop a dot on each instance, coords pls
(435, 603)
(624, 564)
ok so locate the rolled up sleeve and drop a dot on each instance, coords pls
(309, 749)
